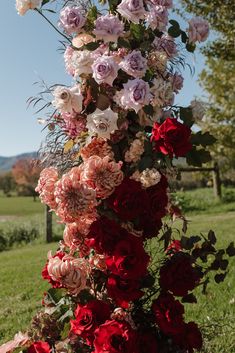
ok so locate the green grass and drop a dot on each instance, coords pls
(19, 206)
(21, 287)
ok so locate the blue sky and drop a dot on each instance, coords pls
(29, 52)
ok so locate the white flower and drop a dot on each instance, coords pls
(22, 6)
(68, 100)
(162, 92)
(81, 61)
(102, 122)
(198, 109)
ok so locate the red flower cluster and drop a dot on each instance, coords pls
(145, 207)
(39, 347)
(171, 138)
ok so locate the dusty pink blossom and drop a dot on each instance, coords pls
(198, 30)
(46, 186)
(108, 28)
(135, 151)
(74, 235)
(103, 49)
(134, 64)
(74, 198)
(71, 19)
(82, 39)
(73, 124)
(97, 147)
(135, 95)
(162, 93)
(98, 262)
(157, 17)
(132, 10)
(22, 6)
(102, 174)
(166, 44)
(68, 60)
(177, 82)
(105, 70)
(71, 272)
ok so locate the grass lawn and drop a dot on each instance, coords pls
(19, 206)
(21, 287)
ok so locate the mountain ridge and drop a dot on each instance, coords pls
(6, 163)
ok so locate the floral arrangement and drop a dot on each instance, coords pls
(122, 272)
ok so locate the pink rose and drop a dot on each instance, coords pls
(198, 30)
(166, 44)
(105, 70)
(108, 28)
(135, 95)
(71, 19)
(177, 82)
(157, 17)
(132, 10)
(134, 64)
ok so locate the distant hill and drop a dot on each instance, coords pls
(6, 163)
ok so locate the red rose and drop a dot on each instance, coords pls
(189, 337)
(45, 274)
(123, 291)
(104, 234)
(88, 317)
(128, 200)
(39, 347)
(171, 138)
(174, 247)
(147, 342)
(115, 337)
(168, 313)
(129, 259)
(178, 275)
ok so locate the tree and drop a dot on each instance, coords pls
(7, 183)
(218, 77)
(26, 173)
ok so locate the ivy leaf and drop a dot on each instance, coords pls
(196, 157)
(203, 139)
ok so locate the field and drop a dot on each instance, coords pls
(21, 286)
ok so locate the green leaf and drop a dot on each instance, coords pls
(145, 162)
(66, 330)
(174, 32)
(113, 4)
(92, 14)
(123, 43)
(190, 47)
(148, 109)
(190, 298)
(212, 237)
(44, 2)
(203, 139)
(220, 277)
(91, 46)
(230, 251)
(198, 157)
(174, 23)
(186, 115)
(184, 37)
(137, 31)
(55, 294)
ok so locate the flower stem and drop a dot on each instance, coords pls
(56, 29)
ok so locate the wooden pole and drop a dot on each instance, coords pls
(48, 224)
(217, 181)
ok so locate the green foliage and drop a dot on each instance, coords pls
(218, 77)
(16, 236)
